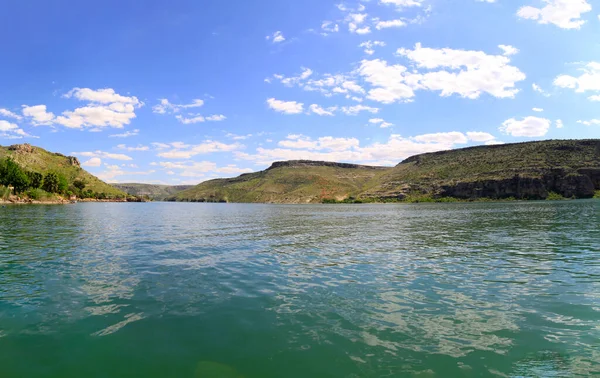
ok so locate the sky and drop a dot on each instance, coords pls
(180, 92)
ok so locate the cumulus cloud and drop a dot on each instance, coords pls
(356, 109)
(381, 122)
(395, 149)
(125, 134)
(539, 110)
(403, 3)
(200, 169)
(389, 24)
(286, 107)
(105, 108)
(9, 114)
(167, 107)
(566, 14)
(538, 89)
(139, 147)
(526, 127)
(316, 109)
(464, 73)
(179, 150)
(559, 124)
(93, 162)
(369, 46)
(38, 115)
(591, 122)
(103, 155)
(588, 81)
(478, 136)
(277, 37)
(10, 130)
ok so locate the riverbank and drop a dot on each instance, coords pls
(60, 201)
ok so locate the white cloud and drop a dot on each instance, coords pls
(93, 162)
(451, 138)
(395, 149)
(125, 134)
(466, 73)
(591, 122)
(527, 127)
(38, 114)
(12, 131)
(102, 96)
(216, 118)
(538, 89)
(316, 109)
(509, 50)
(478, 136)
(559, 124)
(354, 110)
(329, 27)
(403, 3)
(116, 171)
(130, 148)
(189, 121)
(9, 114)
(381, 122)
(277, 37)
(389, 24)
(103, 155)
(166, 107)
(566, 14)
(323, 143)
(286, 107)
(369, 45)
(589, 80)
(200, 169)
(183, 151)
(539, 110)
(238, 137)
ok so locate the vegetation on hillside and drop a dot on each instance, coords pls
(152, 191)
(38, 174)
(534, 170)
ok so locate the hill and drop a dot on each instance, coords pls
(288, 182)
(39, 160)
(532, 170)
(155, 192)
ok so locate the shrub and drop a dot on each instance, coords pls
(4, 192)
(11, 174)
(79, 184)
(553, 196)
(35, 179)
(51, 182)
(37, 194)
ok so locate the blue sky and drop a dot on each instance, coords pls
(183, 91)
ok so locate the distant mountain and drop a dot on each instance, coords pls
(533, 170)
(155, 192)
(39, 160)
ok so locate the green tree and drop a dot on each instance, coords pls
(35, 179)
(63, 184)
(79, 184)
(11, 174)
(51, 182)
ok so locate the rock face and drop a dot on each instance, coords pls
(22, 148)
(74, 161)
(568, 185)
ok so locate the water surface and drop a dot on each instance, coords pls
(227, 290)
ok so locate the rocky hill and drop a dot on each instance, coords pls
(154, 192)
(533, 170)
(39, 160)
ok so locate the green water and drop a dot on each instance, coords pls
(223, 290)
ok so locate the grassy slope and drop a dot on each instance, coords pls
(315, 183)
(302, 184)
(491, 163)
(43, 161)
(157, 192)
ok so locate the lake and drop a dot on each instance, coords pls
(248, 290)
